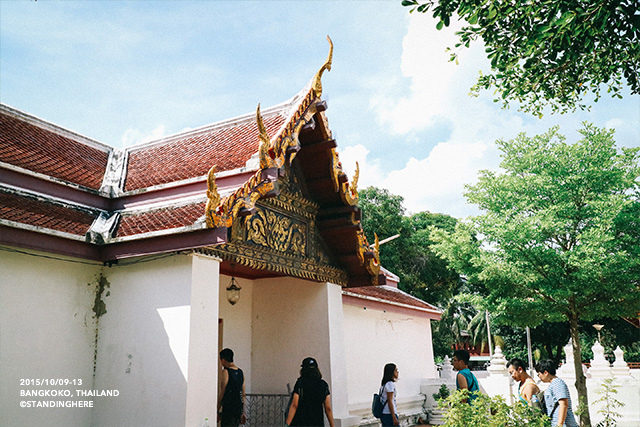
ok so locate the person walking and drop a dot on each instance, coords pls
(232, 392)
(527, 387)
(465, 379)
(310, 395)
(388, 393)
(556, 396)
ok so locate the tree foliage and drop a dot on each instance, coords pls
(548, 52)
(554, 243)
(422, 273)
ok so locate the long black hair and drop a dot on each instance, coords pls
(389, 373)
(310, 369)
(311, 372)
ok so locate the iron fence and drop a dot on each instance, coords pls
(266, 410)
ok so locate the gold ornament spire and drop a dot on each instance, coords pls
(265, 142)
(354, 182)
(213, 198)
(317, 84)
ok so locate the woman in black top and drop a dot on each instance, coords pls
(310, 395)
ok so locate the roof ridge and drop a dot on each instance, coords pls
(284, 108)
(398, 290)
(52, 127)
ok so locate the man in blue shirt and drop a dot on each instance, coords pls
(465, 379)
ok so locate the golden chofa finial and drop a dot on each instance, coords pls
(265, 142)
(213, 198)
(354, 182)
(317, 84)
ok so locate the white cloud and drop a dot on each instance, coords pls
(135, 136)
(426, 63)
(439, 89)
(436, 183)
(370, 171)
(615, 123)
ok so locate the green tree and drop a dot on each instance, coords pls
(422, 273)
(547, 341)
(548, 52)
(549, 245)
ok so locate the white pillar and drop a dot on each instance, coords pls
(567, 371)
(600, 366)
(498, 364)
(338, 359)
(202, 377)
(620, 367)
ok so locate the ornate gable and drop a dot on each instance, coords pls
(281, 235)
(306, 140)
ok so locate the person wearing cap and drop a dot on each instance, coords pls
(310, 395)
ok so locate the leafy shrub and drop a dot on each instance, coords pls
(443, 393)
(487, 411)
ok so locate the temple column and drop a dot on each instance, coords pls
(338, 359)
(202, 376)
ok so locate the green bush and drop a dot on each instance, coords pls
(487, 411)
(442, 393)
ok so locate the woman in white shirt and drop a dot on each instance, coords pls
(388, 393)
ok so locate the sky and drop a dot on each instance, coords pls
(126, 72)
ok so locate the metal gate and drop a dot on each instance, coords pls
(266, 410)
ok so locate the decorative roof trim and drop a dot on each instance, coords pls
(51, 127)
(317, 83)
(115, 173)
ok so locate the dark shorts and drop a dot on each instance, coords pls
(386, 420)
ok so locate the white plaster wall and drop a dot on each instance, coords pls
(236, 321)
(374, 338)
(290, 322)
(46, 332)
(141, 350)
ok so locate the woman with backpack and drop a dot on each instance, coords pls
(388, 395)
(556, 396)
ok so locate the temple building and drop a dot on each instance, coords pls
(124, 271)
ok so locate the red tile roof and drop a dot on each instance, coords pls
(28, 146)
(37, 213)
(193, 154)
(392, 295)
(163, 219)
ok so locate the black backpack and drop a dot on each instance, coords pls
(376, 405)
(539, 404)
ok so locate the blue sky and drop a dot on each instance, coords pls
(123, 72)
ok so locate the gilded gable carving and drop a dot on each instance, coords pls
(281, 236)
